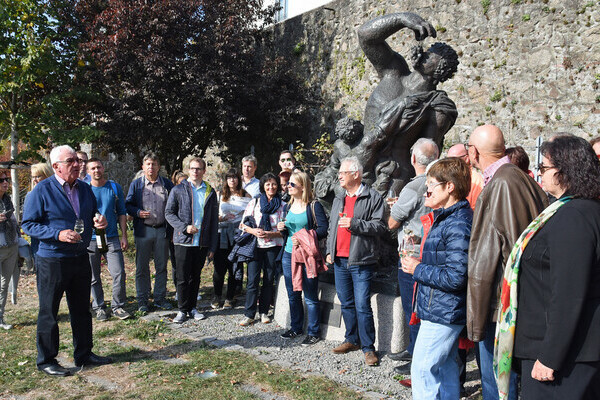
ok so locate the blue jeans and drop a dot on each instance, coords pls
(406, 285)
(489, 387)
(353, 286)
(434, 369)
(310, 287)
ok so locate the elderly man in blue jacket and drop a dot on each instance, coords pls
(54, 213)
(193, 212)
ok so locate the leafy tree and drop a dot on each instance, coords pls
(179, 75)
(37, 91)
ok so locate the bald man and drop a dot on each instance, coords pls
(460, 150)
(509, 201)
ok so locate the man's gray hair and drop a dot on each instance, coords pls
(251, 159)
(55, 153)
(425, 151)
(354, 164)
(152, 157)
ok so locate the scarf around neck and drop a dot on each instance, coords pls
(507, 318)
(267, 208)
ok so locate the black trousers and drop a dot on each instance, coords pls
(56, 276)
(222, 267)
(190, 261)
(265, 263)
(575, 381)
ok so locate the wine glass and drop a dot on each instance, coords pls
(411, 245)
(79, 227)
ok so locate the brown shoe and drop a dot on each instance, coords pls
(371, 359)
(346, 347)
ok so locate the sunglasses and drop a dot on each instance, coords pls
(286, 160)
(2, 180)
(543, 168)
(294, 185)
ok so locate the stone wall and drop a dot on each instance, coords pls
(530, 67)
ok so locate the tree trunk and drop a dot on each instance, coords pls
(14, 177)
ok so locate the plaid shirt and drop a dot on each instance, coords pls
(489, 172)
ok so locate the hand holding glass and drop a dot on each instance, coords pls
(79, 228)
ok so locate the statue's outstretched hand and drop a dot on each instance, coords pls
(419, 26)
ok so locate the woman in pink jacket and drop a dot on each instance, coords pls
(302, 212)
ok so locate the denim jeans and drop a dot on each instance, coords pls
(310, 287)
(353, 286)
(406, 285)
(265, 263)
(155, 242)
(489, 387)
(434, 370)
(116, 268)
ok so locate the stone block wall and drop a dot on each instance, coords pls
(530, 67)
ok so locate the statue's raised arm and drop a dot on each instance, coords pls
(372, 37)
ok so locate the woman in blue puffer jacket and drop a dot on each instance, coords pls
(441, 278)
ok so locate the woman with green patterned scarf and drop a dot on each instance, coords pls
(549, 322)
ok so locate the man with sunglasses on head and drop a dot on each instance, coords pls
(53, 209)
(509, 201)
(405, 216)
(355, 228)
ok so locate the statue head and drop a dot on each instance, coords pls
(446, 66)
(349, 130)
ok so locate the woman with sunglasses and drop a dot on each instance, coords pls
(441, 278)
(302, 212)
(550, 302)
(9, 244)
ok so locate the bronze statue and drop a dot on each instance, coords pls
(405, 105)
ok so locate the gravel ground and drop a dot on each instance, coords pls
(222, 329)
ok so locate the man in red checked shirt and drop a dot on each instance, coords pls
(356, 223)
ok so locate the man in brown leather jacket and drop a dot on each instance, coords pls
(509, 201)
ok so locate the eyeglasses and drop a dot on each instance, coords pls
(71, 161)
(2, 180)
(294, 185)
(543, 168)
(196, 169)
(346, 172)
(430, 188)
(286, 160)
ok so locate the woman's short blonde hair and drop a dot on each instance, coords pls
(41, 169)
(303, 179)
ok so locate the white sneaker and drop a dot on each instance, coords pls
(5, 326)
(198, 316)
(246, 321)
(180, 318)
(265, 319)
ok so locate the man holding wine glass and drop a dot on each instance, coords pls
(51, 211)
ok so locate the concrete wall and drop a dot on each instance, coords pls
(531, 67)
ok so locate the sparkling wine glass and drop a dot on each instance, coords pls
(79, 227)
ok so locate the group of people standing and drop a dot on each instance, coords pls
(481, 256)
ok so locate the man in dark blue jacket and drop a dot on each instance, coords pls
(145, 202)
(51, 213)
(193, 212)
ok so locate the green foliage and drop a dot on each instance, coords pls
(39, 99)
(440, 29)
(315, 158)
(558, 117)
(526, 17)
(360, 64)
(486, 5)
(299, 48)
(496, 97)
